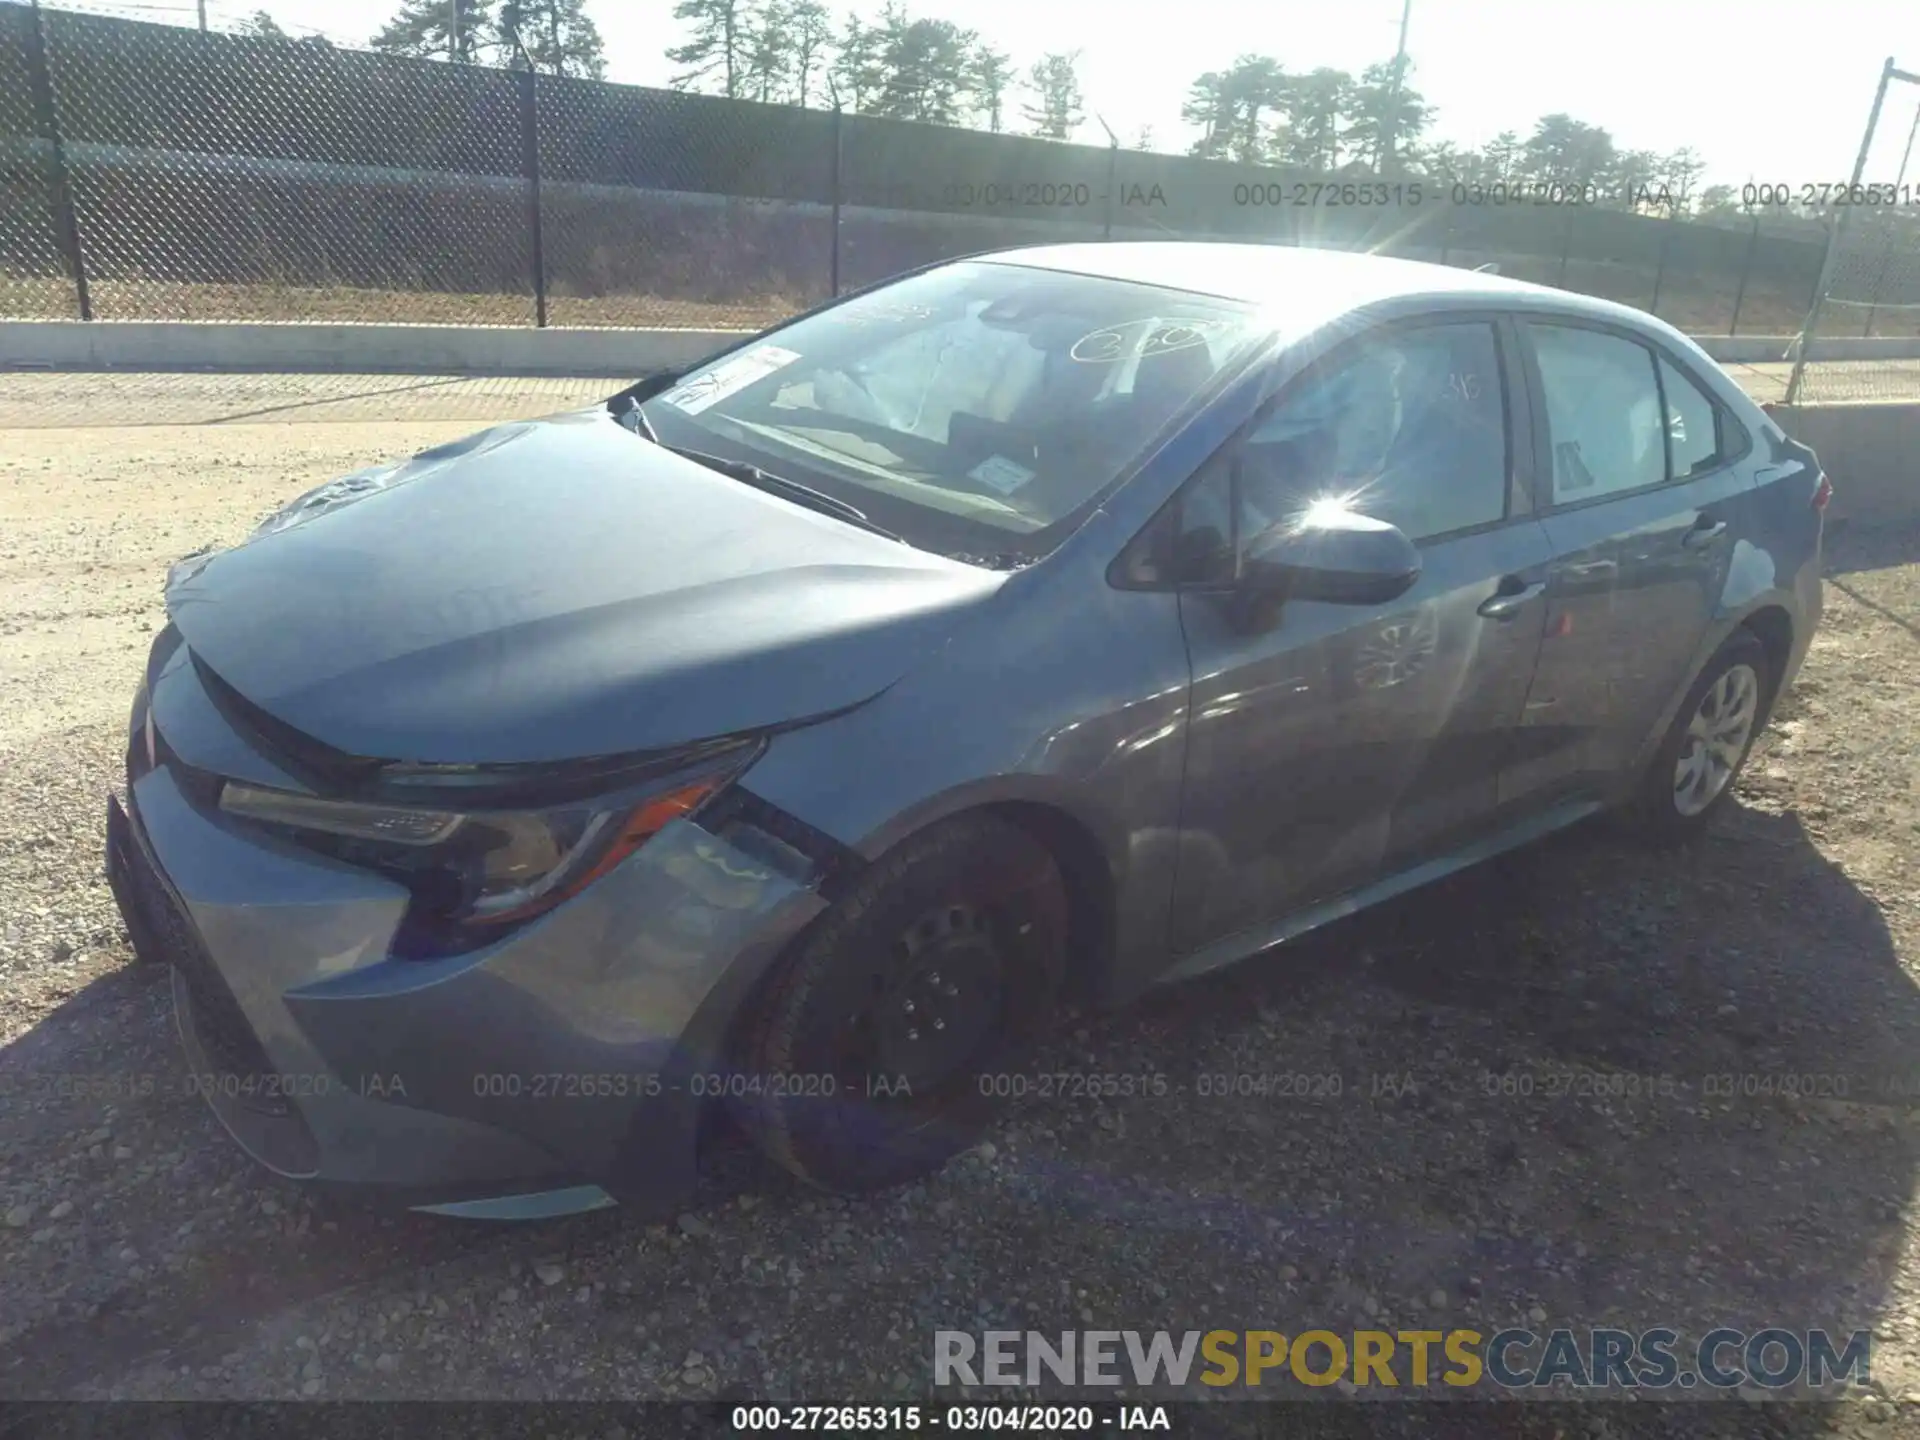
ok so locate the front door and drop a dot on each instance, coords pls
(1328, 743)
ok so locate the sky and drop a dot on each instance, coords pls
(1763, 92)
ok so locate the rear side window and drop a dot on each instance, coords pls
(1604, 413)
(1692, 431)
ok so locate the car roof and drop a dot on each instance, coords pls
(1303, 286)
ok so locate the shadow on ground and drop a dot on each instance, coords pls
(1590, 1082)
(1856, 545)
(1626, 1087)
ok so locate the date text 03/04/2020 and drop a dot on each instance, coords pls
(987, 1419)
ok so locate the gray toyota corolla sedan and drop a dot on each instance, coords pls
(782, 739)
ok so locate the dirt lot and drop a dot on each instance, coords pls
(1466, 1173)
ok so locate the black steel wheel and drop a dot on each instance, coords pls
(874, 1053)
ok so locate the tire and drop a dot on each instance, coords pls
(844, 1020)
(1739, 678)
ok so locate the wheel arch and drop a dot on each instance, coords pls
(1087, 874)
(1772, 624)
(1087, 851)
(1068, 840)
(1769, 621)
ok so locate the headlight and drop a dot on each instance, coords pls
(485, 867)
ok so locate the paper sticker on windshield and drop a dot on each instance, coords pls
(728, 377)
(999, 473)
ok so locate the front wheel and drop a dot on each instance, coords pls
(1693, 772)
(869, 1060)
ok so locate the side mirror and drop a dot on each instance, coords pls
(1334, 555)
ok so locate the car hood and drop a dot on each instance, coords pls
(554, 590)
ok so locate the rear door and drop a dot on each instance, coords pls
(1329, 744)
(1640, 497)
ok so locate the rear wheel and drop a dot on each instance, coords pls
(1713, 731)
(870, 1058)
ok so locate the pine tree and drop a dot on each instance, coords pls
(1059, 108)
(1387, 117)
(768, 54)
(560, 38)
(925, 68)
(261, 26)
(1256, 87)
(1317, 108)
(717, 46)
(1209, 104)
(992, 78)
(810, 32)
(428, 28)
(856, 69)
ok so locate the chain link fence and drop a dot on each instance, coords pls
(159, 172)
(1869, 285)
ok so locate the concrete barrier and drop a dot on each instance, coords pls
(1871, 453)
(1772, 349)
(293, 347)
(300, 348)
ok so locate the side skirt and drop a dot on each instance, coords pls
(1245, 943)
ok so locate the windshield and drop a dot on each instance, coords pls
(980, 410)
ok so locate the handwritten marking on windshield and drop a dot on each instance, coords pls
(727, 377)
(880, 312)
(1149, 336)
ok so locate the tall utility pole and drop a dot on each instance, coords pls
(1390, 122)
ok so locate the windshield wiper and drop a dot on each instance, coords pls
(635, 419)
(780, 485)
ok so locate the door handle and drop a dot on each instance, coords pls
(1704, 533)
(1510, 598)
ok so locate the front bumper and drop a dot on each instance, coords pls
(563, 1066)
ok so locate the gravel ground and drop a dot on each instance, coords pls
(141, 1255)
(115, 399)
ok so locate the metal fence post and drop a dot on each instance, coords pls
(1113, 185)
(1660, 265)
(1746, 270)
(834, 260)
(1113, 175)
(1804, 343)
(530, 151)
(1566, 247)
(66, 222)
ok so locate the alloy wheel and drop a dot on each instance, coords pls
(1716, 739)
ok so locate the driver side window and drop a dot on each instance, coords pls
(1409, 426)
